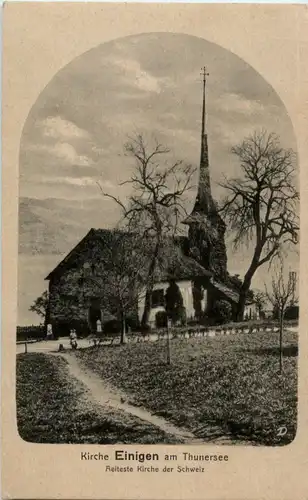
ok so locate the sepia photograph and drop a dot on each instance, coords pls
(158, 252)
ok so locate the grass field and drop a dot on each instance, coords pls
(227, 385)
(53, 408)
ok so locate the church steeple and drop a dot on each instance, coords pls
(204, 188)
(206, 233)
(204, 202)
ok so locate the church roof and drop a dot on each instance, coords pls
(181, 268)
(175, 264)
(79, 248)
(230, 293)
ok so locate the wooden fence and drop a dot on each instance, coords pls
(187, 333)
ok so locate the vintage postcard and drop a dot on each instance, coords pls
(154, 185)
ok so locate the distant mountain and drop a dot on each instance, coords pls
(49, 226)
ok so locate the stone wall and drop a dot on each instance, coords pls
(70, 297)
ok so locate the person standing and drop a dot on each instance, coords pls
(73, 339)
(49, 332)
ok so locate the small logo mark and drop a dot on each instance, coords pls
(282, 431)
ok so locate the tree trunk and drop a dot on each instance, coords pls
(242, 298)
(168, 344)
(123, 328)
(242, 301)
(280, 343)
(247, 283)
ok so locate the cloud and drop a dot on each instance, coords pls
(61, 129)
(138, 77)
(231, 136)
(62, 151)
(236, 103)
(73, 181)
(67, 152)
(80, 182)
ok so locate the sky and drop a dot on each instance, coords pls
(75, 133)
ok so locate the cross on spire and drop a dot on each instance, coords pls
(204, 74)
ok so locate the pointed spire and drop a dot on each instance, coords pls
(204, 202)
(204, 198)
(204, 74)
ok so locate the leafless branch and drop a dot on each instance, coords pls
(261, 206)
(156, 203)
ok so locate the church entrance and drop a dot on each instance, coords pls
(95, 313)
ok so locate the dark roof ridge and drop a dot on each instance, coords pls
(66, 258)
(95, 234)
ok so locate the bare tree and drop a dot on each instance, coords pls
(281, 295)
(260, 299)
(120, 274)
(156, 204)
(261, 206)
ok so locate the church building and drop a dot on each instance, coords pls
(75, 295)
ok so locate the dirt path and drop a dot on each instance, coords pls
(104, 396)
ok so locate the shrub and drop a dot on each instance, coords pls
(161, 319)
(82, 328)
(145, 329)
(61, 329)
(112, 326)
(183, 316)
(133, 323)
(174, 302)
(222, 312)
(292, 312)
(37, 332)
(198, 295)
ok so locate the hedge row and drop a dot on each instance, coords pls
(32, 332)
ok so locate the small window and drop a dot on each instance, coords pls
(88, 268)
(158, 298)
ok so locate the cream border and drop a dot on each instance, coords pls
(39, 39)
